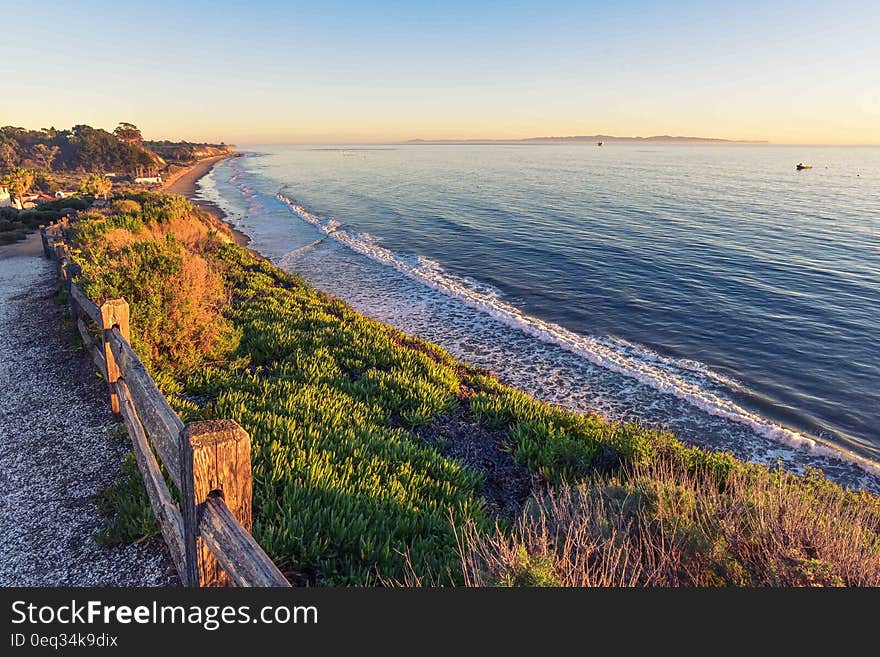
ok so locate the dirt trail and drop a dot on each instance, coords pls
(56, 444)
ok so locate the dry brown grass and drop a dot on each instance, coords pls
(188, 325)
(191, 230)
(177, 297)
(126, 206)
(658, 525)
(117, 239)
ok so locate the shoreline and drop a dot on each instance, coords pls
(819, 448)
(186, 184)
(472, 433)
(804, 448)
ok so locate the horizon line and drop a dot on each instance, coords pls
(535, 141)
(573, 139)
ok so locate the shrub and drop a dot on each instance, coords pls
(176, 302)
(70, 202)
(162, 208)
(126, 206)
(177, 298)
(17, 224)
(44, 181)
(346, 491)
(666, 525)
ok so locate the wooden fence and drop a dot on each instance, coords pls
(208, 533)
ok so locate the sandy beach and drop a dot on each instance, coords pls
(185, 183)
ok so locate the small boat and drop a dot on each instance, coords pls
(801, 166)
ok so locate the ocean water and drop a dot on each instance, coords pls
(711, 290)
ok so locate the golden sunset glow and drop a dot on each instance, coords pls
(343, 72)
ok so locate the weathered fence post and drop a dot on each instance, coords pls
(50, 239)
(113, 313)
(46, 251)
(71, 271)
(215, 459)
(60, 249)
(60, 254)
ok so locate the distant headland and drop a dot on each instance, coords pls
(595, 139)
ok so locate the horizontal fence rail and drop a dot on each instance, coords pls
(236, 551)
(208, 533)
(155, 413)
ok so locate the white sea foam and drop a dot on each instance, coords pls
(286, 259)
(688, 380)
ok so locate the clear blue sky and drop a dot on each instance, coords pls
(786, 71)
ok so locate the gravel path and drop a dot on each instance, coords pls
(56, 445)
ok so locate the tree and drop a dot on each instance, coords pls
(97, 185)
(44, 181)
(43, 156)
(8, 155)
(18, 181)
(129, 133)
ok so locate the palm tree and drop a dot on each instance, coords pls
(97, 184)
(18, 181)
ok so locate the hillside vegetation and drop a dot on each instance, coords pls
(84, 148)
(183, 152)
(16, 224)
(378, 458)
(47, 161)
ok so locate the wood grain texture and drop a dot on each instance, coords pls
(91, 347)
(167, 514)
(189, 511)
(218, 454)
(242, 559)
(159, 419)
(86, 305)
(114, 314)
(87, 338)
(46, 250)
(71, 272)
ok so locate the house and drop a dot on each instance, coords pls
(24, 203)
(28, 202)
(150, 180)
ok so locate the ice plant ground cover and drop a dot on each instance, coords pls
(357, 479)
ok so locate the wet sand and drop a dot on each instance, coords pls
(185, 183)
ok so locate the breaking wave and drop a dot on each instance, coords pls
(689, 380)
